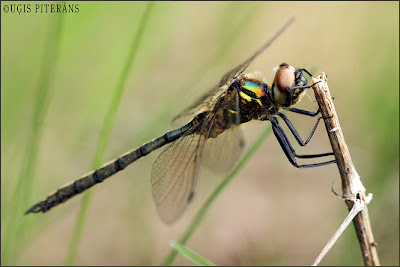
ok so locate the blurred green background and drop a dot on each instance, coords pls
(272, 213)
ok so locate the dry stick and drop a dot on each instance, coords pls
(357, 207)
(353, 190)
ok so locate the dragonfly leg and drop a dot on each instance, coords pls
(304, 112)
(306, 71)
(295, 133)
(301, 87)
(293, 151)
(290, 152)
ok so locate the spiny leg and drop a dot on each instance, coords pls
(306, 71)
(304, 112)
(303, 87)
(294, 131)
(306, 156)
(290, 152)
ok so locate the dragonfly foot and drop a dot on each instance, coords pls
(35, 208)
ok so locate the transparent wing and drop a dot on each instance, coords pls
(174, 176)
(176, 170)
(222, 153)
(233, 74)
(223, 150)
(204, 102)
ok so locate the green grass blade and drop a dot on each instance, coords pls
(105, 134)
(194, 257)
(20, 198)
(203, 210)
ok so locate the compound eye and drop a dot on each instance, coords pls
(285, 78)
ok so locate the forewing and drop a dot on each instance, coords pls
(197, 107)
(208, 98)
(233, 74)
(174, 176)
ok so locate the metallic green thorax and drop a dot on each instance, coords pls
(252, 90)
(252, 98)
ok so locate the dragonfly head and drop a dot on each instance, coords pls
(287, 77)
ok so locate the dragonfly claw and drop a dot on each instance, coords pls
(35, 208)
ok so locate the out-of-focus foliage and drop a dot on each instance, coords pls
(272, 214)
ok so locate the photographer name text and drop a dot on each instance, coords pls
(41, 8)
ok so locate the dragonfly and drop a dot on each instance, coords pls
(211, 136)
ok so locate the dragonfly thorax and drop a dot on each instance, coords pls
(254, 97)
(252, 89)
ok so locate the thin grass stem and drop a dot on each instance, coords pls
(206, 206)
(194, 257)
(106, 133)
(13, 222)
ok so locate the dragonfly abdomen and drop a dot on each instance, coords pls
(107, 170)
